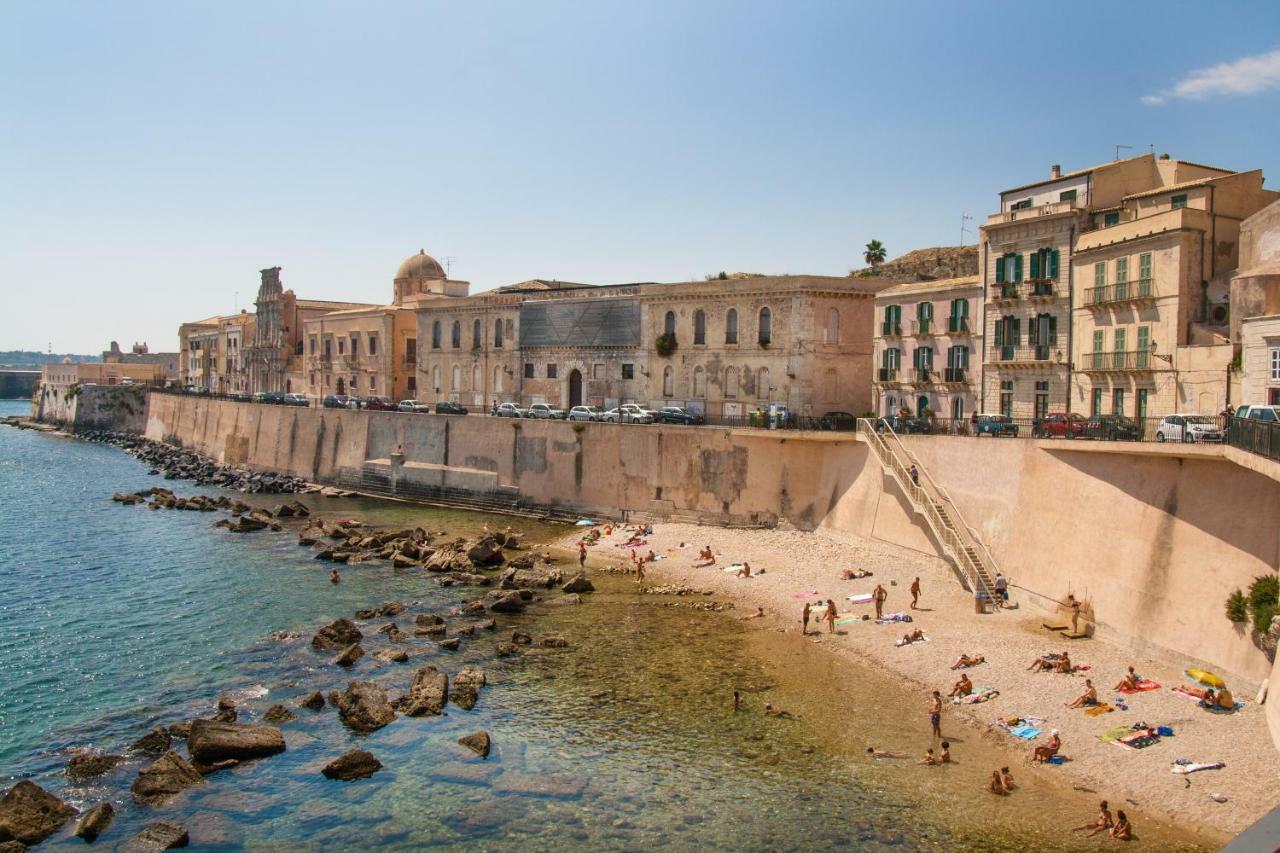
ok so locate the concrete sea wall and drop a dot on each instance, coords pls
(114, 407)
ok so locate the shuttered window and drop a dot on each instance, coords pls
(1100, 274)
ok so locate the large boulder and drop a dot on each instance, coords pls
(392, 655)
(504, 602)
(427, 694)
(486, 552)
(349, 655)
(160, 835)
(90, 765)
(578, 583)
(312, 701)
(280, 714)
(478, 743)
(212, 742)
(154, 742)
(29, 814)
(163, 778)
(356, 764)
(337, 635)
(529, 579)
(95, 821)
(363, 706)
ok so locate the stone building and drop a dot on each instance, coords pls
(1260, 360)
(724, 346)
(142, 354)
(60, 383)
(213, 353)
(928, 345)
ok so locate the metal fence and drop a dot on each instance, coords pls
(1101, 428)
(1260, 437)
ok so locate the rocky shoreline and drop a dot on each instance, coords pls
(507, 580)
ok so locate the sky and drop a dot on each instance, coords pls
(155, 156)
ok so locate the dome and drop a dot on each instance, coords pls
(420, 265)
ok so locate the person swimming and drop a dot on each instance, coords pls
(334, 577)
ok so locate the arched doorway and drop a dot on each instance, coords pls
(342, 386)
(922, 405)
(575, 388)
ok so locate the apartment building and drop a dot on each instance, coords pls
(935, 326)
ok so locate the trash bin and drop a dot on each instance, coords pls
(979, 603)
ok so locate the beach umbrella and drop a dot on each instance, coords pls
(585, 522)
(1205, 677)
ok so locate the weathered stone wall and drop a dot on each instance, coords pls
(115, 407)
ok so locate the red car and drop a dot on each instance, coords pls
(383, 404)
(1060, 425)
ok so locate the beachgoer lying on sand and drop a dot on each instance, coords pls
(996, 784)
(757, 615)
(1205, 693)
(1088, 696)
(883, 753)
(963, 687)
(965, 661)
(771, 711)
(914, 637)
(651, 557)
(1123, 830)
(929, 758)
(1061, 664)
(1129, 682)
(855, 574)
(1007, 778)
(1101, 824)
(1050, 749)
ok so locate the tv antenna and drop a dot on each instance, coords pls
(448, 264)
(1125, 147)
(964, 217)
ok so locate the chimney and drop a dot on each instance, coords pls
(1055, 171)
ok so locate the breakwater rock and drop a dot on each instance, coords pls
(176, 463)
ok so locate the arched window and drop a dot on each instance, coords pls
(699, 326)
(731, 326)
(668, 382)
(766, 327)
(762, 383)
(475, 334)
(833, 326)
(435, 335)
(669, 323)
(497, 377)
(457, 334)
(699, 382)
(730, 383)
(435, 379)
(497, 334)
(476, 381)
(457, 379)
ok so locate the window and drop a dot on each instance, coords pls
(435, 335)
(730, 383)
(959, 321)
(312, 344)
(924, 317)
(1006, 398)
(476, 335)
(497, 379)
(1117, 401)
(597, 371)
(1141, 410)
(766, 327)
(456, 339)
(699, 327)
(355, 345)
(1067, 195)
(1021, 205)
(731, 326)
(1008, 334)
(373, 344)
(1273, 356)
(762, 383)
(411, 350)
(1044, 264)
(412, 385)
(699, 382)
(1100, 274)
(669, 323)
(373, 383)
(628, 371)
(497, 334)
(1178, 200)
(551, 371)
(528, 370)
(892, 324)
(1119, 340)
(456, 379)
(435, 378)
(833, 327)
(1042, 399)
(476, 380)
(1122, 270)
(1109, 219)
(1009, 268)
(668, 382)
(342, 345)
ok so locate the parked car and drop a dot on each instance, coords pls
(904, 426)
(839, 420)
(1060, 425)
(629, 414)
(995, 426)
(1259, 413)
(1111, 428)
(586, 413)
(448, 407)
(510, 410)
(546, 411)
(416, 407)
(377, 404)
(336, 401)
(275, 398)
(240, 397)
(296, 400)
(1191, 428)
(678, 415)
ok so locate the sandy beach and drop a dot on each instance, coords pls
(801, 567)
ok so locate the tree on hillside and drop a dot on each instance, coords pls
(874, 254)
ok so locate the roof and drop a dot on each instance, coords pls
(538, 284)
(421, 265)
(1198, 182)
(1077, 173)
(325, 303)
(368, 309)
(936, 285)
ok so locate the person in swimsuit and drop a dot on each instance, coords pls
(1129, 682)
(334, 577)
(963, 687)
(996, 785)
(804, 617)
(964, 661)
(1088, 696)
(1123, 830)
(935, 713)
(1101, 824)
(915, 593)
(830, 615)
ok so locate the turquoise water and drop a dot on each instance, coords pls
(116, 619)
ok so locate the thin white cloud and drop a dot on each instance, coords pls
(1245, 76)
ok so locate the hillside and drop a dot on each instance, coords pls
(927, 264)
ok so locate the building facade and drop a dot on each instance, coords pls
(142, 354)
(928, 345)
(1260, 360)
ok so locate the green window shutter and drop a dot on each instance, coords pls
(1144, 265)
(1122, 270)
(1000, 332)
(1000, 269)
(1097, 340)
(964, 307)
(1119, 338)
(1017, 268)
(1100, 274)
(1033, 331)
(1017, 331)
(1035, 265)
(1053, 264)
(1053, 331)
(1144, 338)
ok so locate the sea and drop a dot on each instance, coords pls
(117, 619)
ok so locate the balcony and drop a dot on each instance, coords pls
(1042, 288)
(922, 328)
(887, 375)
(958, 325)
(954, 375)
(924, 376)
(1036, 288)
(1035, 355)
(1024, 213)
(1119, 293)
(891, 330)
(1120, 361)
(1005, 291)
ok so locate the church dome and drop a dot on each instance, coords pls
(420, 265)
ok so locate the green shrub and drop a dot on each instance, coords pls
(1264, 601)
(578, 426)
(1237, 607)
(665, 345)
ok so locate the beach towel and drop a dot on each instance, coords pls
(860, 598)
(1098, 710)
(980, 694)
(804, 595)
(901, 642)
(1184, 769)
(1138, 740)
(890, 618)
(1113, 735)
(1215, 709)
(1027, 728)
(1025, 732)
(849, 619)
(732, 567)
(1143, 687)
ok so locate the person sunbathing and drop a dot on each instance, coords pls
(771, 711)
(855, 574)
(964, 661)
(1221, 699)
(1007, 778)
(1123, 830)
(914, 637)
(1042, 664)
(883, 753)
(759, 614)
(707, 557)
(1064, 664)
(1129, 682)
(963, 687)
(996, 784)
(651, 557)
(745, 571)
(1049, 750)
(1088, 696)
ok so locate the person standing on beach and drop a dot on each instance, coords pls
(582, 554)
(935, 713)
(830, 615)
(804, 617)
(915, 592)
(737, 701)
(879, 595)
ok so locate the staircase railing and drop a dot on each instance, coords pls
(931, 500)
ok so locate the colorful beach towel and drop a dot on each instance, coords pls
(861, 598)
(1143, 686)
(890, 618)
(732, 567)
(1027, 728)
(1098, 710)
(800, 596)
(850, 619)
(1138, 740)
(1184, 769)
(1113, 735)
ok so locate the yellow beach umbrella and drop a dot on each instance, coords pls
(1205, 677)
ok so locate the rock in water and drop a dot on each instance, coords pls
(464, 696)
(160, 835)
(363, 706)
(337, 635)
(427, 694)
(472, 676)
(30, 814)
(578, 583)
(349, 655)
(392, 655)
(164, 777)
(485, 552)
(90, 765)
(313, 702)
(478, 743)
(356, 764)
(281, 714)
(521, 639)
(553, 642)
(154, 742)
(95, 821)
(211, 742)
(450, 644)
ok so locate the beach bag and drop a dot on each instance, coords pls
(1164, 731)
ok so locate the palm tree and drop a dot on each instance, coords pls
(874, 254)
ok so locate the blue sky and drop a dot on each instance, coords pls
(154, 156)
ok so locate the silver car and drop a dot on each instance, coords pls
(511, 410)
(630, 413)
(413, 407)
(1191, 428)
(586, 413)
(546, 412)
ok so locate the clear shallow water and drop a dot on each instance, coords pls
(115, 619)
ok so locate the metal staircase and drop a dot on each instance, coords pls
(960, 542)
